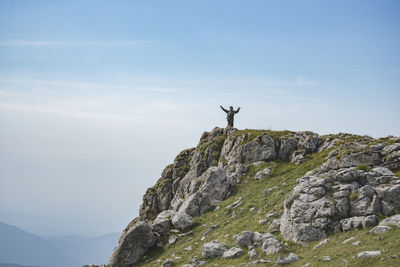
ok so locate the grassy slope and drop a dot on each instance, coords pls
(284, 175)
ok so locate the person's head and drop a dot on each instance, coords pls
(230, 107)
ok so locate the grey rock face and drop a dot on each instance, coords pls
(352, 160)
(287, 147)
(309, 141)
(213, 249)
(261, 149)
(159, 197)
(170, 218)
(205, 191)
(269, 243)
(233, 253)
(134, 243)
(358, 222)
(299, 156)
(181, 220)
(340, 199)
(162, 223)
(391, 221)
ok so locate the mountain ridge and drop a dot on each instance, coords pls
(19, 246)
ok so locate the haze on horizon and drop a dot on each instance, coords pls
(96, 97)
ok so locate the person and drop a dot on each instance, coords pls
(230, 114)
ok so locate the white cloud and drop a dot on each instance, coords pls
(84, 85)
(66, 112)
(376, 70)
(76, 43)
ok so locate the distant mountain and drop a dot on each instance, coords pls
(20, 247)
(87, 250)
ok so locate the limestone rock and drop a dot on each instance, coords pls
(134, 243)
(323, 242)
(299, 156)
(168, 218)
(232, 253)
(369, 254)
(391, 221)
(181, 220)
(340, 199)
(326, 258)
(287, 147)
(380, 229)
(358, 222)
(291, 258)
(268, 242)
(212, 187)
(162, 223)
(253, 254)
(168, 263)
(172, 239)
(261, 175)
(213, 249)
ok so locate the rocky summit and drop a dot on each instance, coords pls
(259, 197)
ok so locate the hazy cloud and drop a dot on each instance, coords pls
(75, 43)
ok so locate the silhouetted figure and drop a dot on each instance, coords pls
(230, 114)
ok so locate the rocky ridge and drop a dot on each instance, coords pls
(353, 187)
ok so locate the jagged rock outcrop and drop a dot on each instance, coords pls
(203, 192)
(170, 218)
(339, 200)
(133, 244)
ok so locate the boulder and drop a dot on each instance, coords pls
(213, 249)
(133, 244)
(170, 218)
(181, 220)
(162, 223)
(233, 253)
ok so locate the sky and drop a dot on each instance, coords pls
(96, 97)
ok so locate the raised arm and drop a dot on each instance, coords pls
(223, 109)
(237, 110)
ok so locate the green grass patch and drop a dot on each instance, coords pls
(363, 167)
(353, 196)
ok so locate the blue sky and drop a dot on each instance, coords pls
(96, 97)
